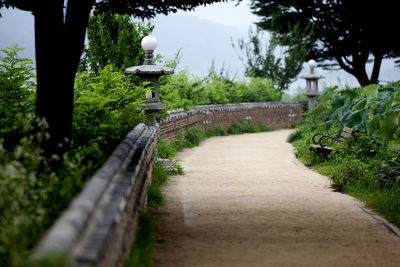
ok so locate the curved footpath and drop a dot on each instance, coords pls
(246, 201)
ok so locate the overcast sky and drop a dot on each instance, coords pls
(203, 35)
(227, 13)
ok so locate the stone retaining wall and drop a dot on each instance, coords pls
(273, 115)
(99, 227)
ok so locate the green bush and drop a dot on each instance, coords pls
(295, 136)
(181, 91)
(32, 195)
(194, 136)
(219, 131)
(17, 91)
(107, 107)
(245, 127)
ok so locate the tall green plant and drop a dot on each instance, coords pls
(17, 91)
(107, 107)
(17, 87)
(114, 39)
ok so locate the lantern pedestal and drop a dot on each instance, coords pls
(312, 102)
(151, 112)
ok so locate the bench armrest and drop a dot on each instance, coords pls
(329, 137)
(322, 137)
(313, 138)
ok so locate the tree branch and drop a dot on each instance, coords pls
(347, 68)
(23, 5)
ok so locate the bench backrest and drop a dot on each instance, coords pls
(346, 132)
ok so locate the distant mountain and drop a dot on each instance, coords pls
(17, 28)
(201, 42)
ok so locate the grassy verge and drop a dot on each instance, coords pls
(142, 250)
(383, 201)
(362, 169)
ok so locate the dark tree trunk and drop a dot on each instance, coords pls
(59, 43)
(362, 77)
(377, 66)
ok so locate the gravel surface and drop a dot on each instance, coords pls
(246, 201)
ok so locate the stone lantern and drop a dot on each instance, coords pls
(312, 84)
(149, 72)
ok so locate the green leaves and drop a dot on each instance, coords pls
(183, 91)
(370, 91)
(373, 109)
(114, 39)
(389, 125)
(17, 88)
(106, 108)
(360, 105)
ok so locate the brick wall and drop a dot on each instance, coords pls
(273, 115)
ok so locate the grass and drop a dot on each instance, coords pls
(384, 201)
(142, 251)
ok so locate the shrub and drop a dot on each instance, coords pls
(107, 107)
(295, 136)
(32, 195)
(182, 91)
(17, 90)
(219, 131)
(194, 136)
(245, 127)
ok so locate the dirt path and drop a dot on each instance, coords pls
(246, 201)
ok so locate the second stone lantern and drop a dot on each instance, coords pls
(149, 72)
(312, 84)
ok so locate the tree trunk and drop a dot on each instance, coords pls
(362, 78)
(376, 69)
(59, 45)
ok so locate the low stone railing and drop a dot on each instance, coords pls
(98, 229)
(272, 114)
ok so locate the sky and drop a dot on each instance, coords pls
(204, 35)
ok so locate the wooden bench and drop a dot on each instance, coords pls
(319, 146)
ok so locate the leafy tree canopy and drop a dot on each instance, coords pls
(114, 39)
(141, 9)
(345, 33)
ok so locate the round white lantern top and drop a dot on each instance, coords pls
(149, 43)
(312, 63)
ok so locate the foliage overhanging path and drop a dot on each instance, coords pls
(246, 201)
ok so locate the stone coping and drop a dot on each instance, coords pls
(64, 236)
(181, 113)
